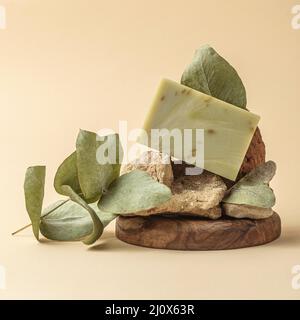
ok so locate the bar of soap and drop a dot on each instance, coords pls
(228, 130)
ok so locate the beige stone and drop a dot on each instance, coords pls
(193, 195)
(156, 164)
(245, 211)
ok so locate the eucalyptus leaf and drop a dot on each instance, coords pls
(71, 222)
(262, 174)
(94, 174)
(88, 172)
(34, 185)
(253, 189)
(97, 224)
(66, 182)
(260, 195)
(213, 75)
(132, 192)
(67, 174)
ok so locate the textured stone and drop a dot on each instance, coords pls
(245, 211)
(179, 168)
(193, 195)
(256, 154)
(156, 164)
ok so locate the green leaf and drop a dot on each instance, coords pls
(34, 195)
(133, 192)
(253, 189)
(260, 195)
(66, 182)
(213, 75)
(262, 174)
(94, 173)
(67, 174)
(88, 172)
(97, 224)
(70, 222)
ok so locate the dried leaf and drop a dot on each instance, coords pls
(133, 192)
(97, 224)
(262, 174)
(95, 177)
(85, 174)
(67, 174)
(253, 189)
(66, 182)
(71, 222)
(34, 194)
(213, 75)
(259, 196)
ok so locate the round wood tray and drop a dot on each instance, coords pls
(192, 233)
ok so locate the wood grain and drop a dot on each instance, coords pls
(192, 233)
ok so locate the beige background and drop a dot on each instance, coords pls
(70, 64)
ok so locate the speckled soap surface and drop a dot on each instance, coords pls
(228, 130)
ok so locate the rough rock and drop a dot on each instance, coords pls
(179, 168)
(256, 154)
(156, 164)
(193, 195)
(245, 211)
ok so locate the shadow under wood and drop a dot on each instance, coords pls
(290, 237)
(110, 242)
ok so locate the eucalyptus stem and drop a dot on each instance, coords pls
(45, 215)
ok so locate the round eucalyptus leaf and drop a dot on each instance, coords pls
(211, 74)
(261, 196)
(132, 192)
(253, 189)
(70, 221)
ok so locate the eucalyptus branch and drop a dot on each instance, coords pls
(43, 216)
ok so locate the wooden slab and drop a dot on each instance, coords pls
(192, 233)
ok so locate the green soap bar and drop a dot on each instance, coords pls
(228, 130)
